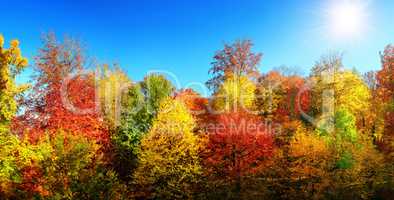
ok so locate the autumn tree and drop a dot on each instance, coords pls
(16, 156)
(236, 60)
(169, 163)
(236, 93)
(281, 97)
(356, 160)
(269, 93)
(66, 166)
(196, 104)
(385, 94)
(238, 146)
(62, 97)
(112, 84)
(14, 153)
(74, 169)
(334, 87)
(11, 64)
(328, 64)
(139, 107)
(309, 162)
(373, 122)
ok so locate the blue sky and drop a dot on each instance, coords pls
(181, 36)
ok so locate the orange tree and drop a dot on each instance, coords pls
(62, 97)
(238, 146)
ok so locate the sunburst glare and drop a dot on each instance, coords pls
(347, 20)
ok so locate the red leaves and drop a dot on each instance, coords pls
(297, 97)
(62, 97)
(196, 104)
(33, 181)
(76, 110)
(237, 145)
(235, 59)
(385, 76)
(385, 93)
(289, 96)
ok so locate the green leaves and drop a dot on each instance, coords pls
(140, 104)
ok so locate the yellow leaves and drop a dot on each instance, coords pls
(237, 92)
(352, 92)
(169, 152)
(1, 41)
(112, 85)
(342, 89)
(304, 144)
(14, 44)
(173, 117)
(309, 147)
(11, 62)
(311, 154)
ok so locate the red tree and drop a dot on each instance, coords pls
(32, 182)
(296, 98)
(62, 98)
(385, 93)
(237, 145)
(236, 59)
(288, 96)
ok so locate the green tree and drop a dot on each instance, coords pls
(139, 106)
(357, 168)
(343, 137)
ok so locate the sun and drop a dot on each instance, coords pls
(347, 19)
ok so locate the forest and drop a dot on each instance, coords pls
(75, 131)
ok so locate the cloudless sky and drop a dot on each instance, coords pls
(181, 36)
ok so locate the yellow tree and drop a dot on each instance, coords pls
(236, 93)
(342, 88)
(169, 163)
(310, 162)
(112, 85)
(11, 64)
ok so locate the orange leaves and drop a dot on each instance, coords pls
(62, 97)
(168, 155)
(282, 97)
(385, 76)
(385, 93)
(237, 145)
(33, 182)
(196, 104)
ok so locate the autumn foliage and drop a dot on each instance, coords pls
(238, 145)
(76, 133)
(62, 97)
